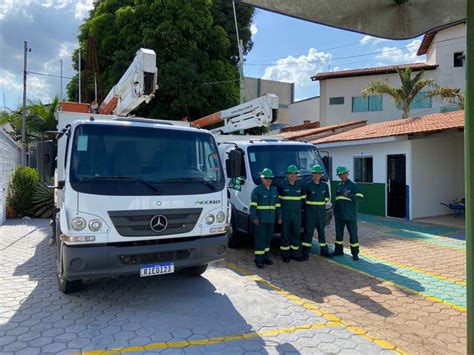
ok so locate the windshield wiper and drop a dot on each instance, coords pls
(150, 184)
(204, 181)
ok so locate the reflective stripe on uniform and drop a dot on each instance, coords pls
(253, 204)
(355, 245)
(267, 250)
(294, 248)
(284, 248)
(339, 242)
(292, 198)
(306, 244)
(343, 198)
(327, 199)
(360, 195)
(278, 205)
(316, 203)
(259, 252)
(266, 207)
(303, 197)
(322, 244)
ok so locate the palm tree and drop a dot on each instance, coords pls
(40, 118)
(410, 87)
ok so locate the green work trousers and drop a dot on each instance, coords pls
(315, 219)
(290, 244)
(353, 237)
(263, 238)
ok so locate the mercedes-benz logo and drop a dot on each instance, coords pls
(158, 223)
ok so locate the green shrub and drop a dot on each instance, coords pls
(20, 193)
(43, 201)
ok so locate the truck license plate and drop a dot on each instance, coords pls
(157, 269)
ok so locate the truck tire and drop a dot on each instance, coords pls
(65, 286)
(196, 270)
(232, 236)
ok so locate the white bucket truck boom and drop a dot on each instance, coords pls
(133, 195)
(244, 157)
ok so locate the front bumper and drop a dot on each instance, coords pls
(103, 260)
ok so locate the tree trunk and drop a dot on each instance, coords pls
(406, 112)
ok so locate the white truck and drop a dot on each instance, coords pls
(244, 156)
(133, 195)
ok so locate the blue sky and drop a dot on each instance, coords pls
(292, 50)
(284, 49)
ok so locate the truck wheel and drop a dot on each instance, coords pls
(196, 270)
(232, 237)
(65, 286)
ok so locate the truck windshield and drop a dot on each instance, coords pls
(126, 160)
(279, 157)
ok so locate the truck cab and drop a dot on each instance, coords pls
(136, 196)
(245, 157)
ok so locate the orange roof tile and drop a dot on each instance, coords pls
(372, 71)
(428, 124)
(313, 131)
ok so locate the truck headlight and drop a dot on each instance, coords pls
(220, 217)
(210, 218)
(78, 223)
(95, 225)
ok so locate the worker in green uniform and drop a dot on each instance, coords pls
(265, 208)
(317, 196)
(345, 212)
(291, 194)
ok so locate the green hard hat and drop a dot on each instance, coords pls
(292, 169)
(266, 173)
(317, 169)
(341, 170)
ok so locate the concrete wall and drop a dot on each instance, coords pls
(285, 91)
(437, 173)
(304, 110)
(9, 159)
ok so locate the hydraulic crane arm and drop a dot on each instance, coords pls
(138, 84)
(255, 113)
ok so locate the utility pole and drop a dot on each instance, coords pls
(61, 81)
(79, 65)
(241, 58)
(23, 116)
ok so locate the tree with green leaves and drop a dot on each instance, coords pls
(195, 44)
(404, 95)
(40, 118)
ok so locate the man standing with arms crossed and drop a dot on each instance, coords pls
(345, 212)
(264, 209)
(291, 196)
(317, 195)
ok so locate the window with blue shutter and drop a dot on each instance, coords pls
(421, 100)
(370, 103)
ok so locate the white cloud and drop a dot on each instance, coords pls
(253, 29)
(371, 40)
(402, 55)
(82, 9)
(298, 70)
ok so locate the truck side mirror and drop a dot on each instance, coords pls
(235, 164)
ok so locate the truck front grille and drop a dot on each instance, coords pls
(139, 223)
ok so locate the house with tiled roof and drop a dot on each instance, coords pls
(405, 167)
(340, 91)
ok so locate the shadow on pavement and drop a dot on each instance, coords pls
(110, 313)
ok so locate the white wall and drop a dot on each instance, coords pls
(437, 173)
(304, 110)
(345, 156)
(445, 43)
(9, 159)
